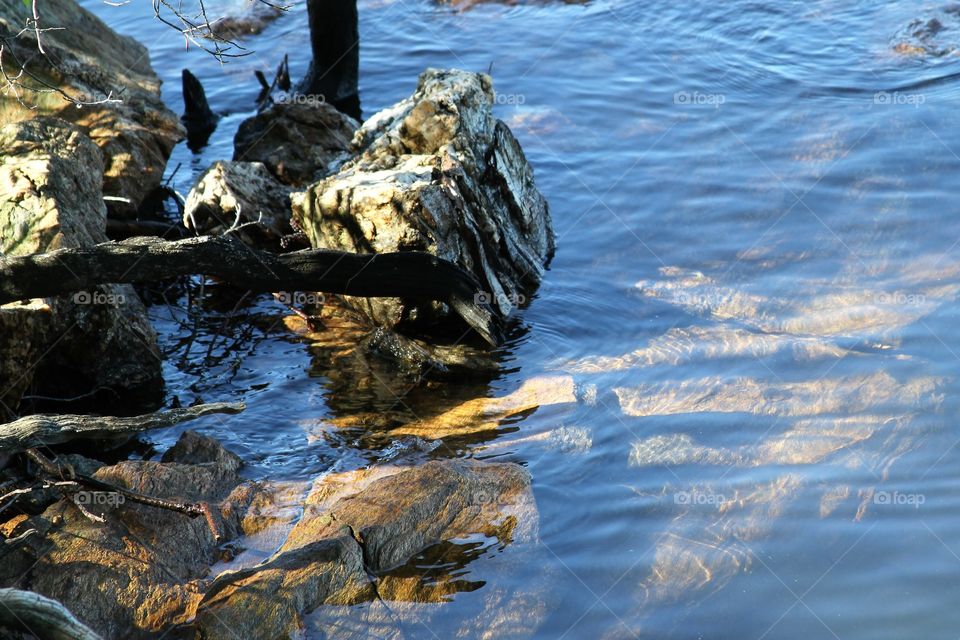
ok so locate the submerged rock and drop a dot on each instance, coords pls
(298, 141)
(357, 527)
(111, 74)
(135, 571)
(934, 34)
(438, 173)
(50, 198)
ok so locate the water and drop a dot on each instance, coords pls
(757, 267)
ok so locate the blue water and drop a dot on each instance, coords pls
(739, 171)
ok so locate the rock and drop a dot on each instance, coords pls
(367, 522)
(50, 198)
(437, 173)
(193, 448)
(298, 141)
(244, 18)
(139, 572)
(934, 34)
(232, 192)
(136, 134)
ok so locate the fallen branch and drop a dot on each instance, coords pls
(40, 430)
(42, 617)
(408, 274)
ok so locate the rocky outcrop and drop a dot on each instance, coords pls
(90, 63)
(230, 193)
(50, 198)
(436, 172)
(300, 141)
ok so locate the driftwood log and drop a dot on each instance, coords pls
(41, 617)
(407, 274)
(44, 429)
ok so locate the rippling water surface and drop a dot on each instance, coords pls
(757, 273)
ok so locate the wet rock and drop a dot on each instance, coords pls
(193, 448)
(361, 524)
(50, 198)
(246, 18)
(232, 193)
(135, 130)
(298, 141)
(438, 173)
(934, 34)
(139, 571)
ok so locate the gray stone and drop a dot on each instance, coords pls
(438, 173)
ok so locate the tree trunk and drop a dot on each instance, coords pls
(335, 43)
(407, 274)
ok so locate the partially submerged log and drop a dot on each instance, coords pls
(41, 617)
(408, 274)
(41, 430)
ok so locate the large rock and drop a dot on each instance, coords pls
(135, 131)
(230, 193)
(363, 524)
(299, 141)
(295, 553)
(438, 173)
(50, 198)
(139, 571)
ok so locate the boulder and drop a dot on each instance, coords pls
(89, 62)
(358, 526)
(300, 140)
(139, 571)
(438, 173)
(50, 198)
(231, 193)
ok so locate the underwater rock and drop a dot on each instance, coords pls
(358, 526)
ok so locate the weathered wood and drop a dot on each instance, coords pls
(407, 274)
(41, 617)
(335, 42)
(48, 429)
